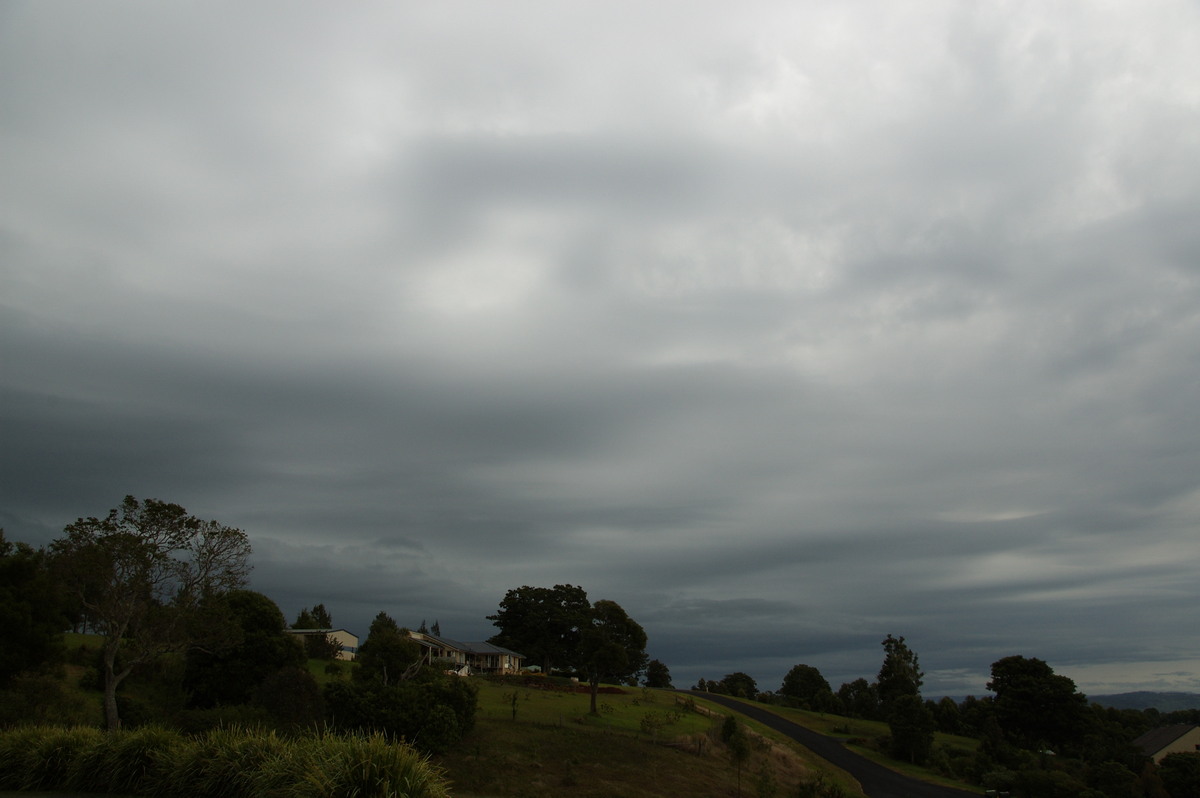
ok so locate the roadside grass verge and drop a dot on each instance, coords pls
(865, 737)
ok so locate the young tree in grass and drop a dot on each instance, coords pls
(141, 574)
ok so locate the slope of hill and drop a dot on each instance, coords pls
(1144, 699)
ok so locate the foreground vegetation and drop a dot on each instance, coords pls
(225, 763)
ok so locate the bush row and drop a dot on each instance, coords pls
(224, 763)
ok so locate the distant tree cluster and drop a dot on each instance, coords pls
(1038, 736)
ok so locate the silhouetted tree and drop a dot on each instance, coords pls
(739, 685)
(140, 575)
(543, 623)
(805, 686)
(657, 675)
(1036, 708)
(612, 647)
(860, 699)
(900, 674)
(258, 646)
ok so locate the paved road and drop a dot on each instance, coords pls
(876, 780)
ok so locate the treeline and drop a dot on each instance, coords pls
(1037, 735)
(183, 644)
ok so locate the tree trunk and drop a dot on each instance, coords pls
(595, 689)
(112, 719)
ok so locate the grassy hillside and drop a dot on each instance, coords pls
(643, 744)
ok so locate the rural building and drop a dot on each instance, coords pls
(473, 657)
(1178, 739)
(348, 643)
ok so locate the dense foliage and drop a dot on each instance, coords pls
(225, 763)
(32, 612)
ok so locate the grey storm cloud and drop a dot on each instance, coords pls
(785, 327)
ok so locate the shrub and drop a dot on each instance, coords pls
(225, 763)
(431, 714)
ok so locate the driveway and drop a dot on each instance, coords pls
(876, 780)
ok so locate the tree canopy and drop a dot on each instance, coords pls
(543, 623)
(259, 648)
(657, 675)
(900, 674)
(804, 684)
(140, 575)
(1036, 708)
(612, 646)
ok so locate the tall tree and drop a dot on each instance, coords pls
(900, 674)
(543, 623)
(140, 574)
(1035, 707)
(612, 647)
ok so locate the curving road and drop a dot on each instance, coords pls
(876, 780)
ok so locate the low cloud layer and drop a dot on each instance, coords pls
(786, 328)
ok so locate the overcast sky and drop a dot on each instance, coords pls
(787, 326)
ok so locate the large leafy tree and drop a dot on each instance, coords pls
(543, 623)
(805, 685)
(1036, 708)
(860, 699)
(259, 648)
(612, 647)
(31, 610)
(141, 574)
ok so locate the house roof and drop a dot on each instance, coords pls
(319, 631)
(1156, 740)
(469, 648)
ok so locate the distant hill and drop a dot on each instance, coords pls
(1163, 702)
